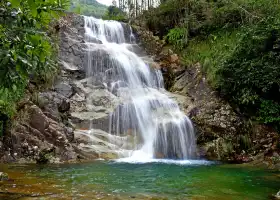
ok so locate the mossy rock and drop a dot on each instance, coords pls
(4, 176)
(45, 156)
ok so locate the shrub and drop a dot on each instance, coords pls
(88, 7)
(177, 37)
(269, 112)
(250, 75)
(26, 46)
(115, 13)
(238, 45)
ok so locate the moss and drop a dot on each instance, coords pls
(4, 176)
(45, 156)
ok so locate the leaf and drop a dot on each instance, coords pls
(35, 39)
(15, 3)
(33, 7)
(14, 88)
(2, 102)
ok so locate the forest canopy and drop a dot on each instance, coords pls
(88, 7)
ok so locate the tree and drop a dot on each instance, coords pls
(26, 46)
(115, 13)
(114, 3)
(136, 7)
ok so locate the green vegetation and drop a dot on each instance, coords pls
(115, 13)
(88, 7)
(26, 52)
(238, 44)
(177, 37)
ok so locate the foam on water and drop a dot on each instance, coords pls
(145, 159)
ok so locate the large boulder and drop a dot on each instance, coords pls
(99, 143)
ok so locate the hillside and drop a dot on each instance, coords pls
(232, 46)
(237, 44)
(88, 7)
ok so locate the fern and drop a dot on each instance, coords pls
(176, 37)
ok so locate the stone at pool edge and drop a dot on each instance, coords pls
(4, 176)
(275, 197)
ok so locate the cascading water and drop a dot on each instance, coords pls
(146, 114)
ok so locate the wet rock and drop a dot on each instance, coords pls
(71, 52)
(64, 106)
(64, 89)
(109, 155)
(95, 40)
(78, 97)
(82, 137)
(84, 120)
(37, 119)
(219, 149)
(213, 118)
(152, 44)
(45, 156)
(68, 66)
(73, 102)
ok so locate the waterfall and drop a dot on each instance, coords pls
(146, 114)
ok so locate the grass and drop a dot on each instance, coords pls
(210, 52)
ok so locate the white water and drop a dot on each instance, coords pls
(158, 128)
(165, 161)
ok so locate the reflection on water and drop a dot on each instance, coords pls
(115, 180)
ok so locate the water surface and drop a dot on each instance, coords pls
(155, 180)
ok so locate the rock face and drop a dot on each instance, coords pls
(222, 133)
(72, 43)
(216, 123)
(54, 126)
(39, 133)
(152, 44)
(56, 123)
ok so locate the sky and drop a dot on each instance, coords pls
(106, 2)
